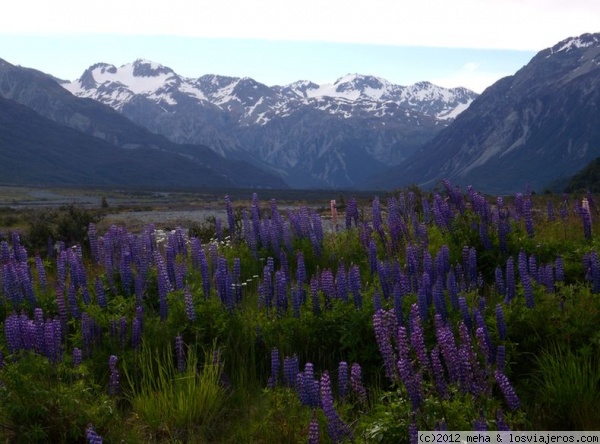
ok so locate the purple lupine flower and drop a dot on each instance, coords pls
(113, 387)
(351, 213)
(342, 379)
(502, 331)
(230, 218)
(91, 435)
(507, 390)
(413, 432)
(586, 220)
(73, 305)
(12, 333)
(308, 387)
(480, 323)
(417, 337)
(341, 282)
(275, 368)
(510, 280)
(501, 358)
(482, 343)
(328, 286)
(528, 291)
(180, 353)
(337, 429)
(93, 239)
(412, 380)
(449, 351)
(356, 382)
(190, 311)
(313, 430)
(480, 424)
(472, 270)
(52, 340)
(533, 268)
(439, 299)
(500, 287)
(38, 321)
(281, 292)
(41, 272)
(464, 310)
(383, 338)
(438, 373)
(372, 254)
(377, 305)
(452, 289)
(559, 268)
(527, 216)
(100, 295)
(136, 333)
(398, 297)
(523, 264)
(62, 307)
(77, 357)
(354, 283)
(500, 423)
(290, 370)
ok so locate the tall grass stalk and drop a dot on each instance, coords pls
(181, 406)
(568, 387)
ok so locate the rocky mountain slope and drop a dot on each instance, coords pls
(333, 135)
(537, 126)
(136, 154)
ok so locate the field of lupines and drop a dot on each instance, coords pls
(421, 311)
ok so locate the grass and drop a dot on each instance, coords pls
(183, 406)
(551, 349)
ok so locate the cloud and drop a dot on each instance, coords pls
(499, 24)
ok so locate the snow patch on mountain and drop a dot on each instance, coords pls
(254, 103)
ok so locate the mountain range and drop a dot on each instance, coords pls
(143, 124)
(50, 137)
(331, 136)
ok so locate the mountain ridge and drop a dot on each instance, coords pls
(42, 94)
(274, 127)
(537, 126)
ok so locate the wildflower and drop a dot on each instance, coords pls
(507, 390)
(342, 379)
(356, 382)
(500, 322)
(113, 387)
(77, 357)
(337, 429)
(91, 435)
(313, 430)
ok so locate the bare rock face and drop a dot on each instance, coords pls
(538, 126)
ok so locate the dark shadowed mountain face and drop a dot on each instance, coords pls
(96, 137)
(312, 135)
(537, 126)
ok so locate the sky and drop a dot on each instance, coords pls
(470, 43)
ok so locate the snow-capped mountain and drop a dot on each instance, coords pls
(538, 126)
(280, 127)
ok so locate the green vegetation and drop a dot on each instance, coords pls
(418, 311)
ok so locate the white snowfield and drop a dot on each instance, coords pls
(256, 103)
